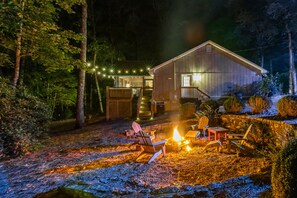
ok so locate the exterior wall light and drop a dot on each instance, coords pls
(197, 77)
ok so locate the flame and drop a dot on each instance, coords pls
(180, 140)
(188, 148)
(176, 136)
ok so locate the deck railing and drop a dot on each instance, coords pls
(193, 92)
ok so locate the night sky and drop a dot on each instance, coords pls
(156, 31)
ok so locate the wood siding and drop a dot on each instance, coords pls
(220, 73)
(118, 103)
(164, 83)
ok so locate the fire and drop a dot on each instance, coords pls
(180, 140)
(176, 136)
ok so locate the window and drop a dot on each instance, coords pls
(186, 80)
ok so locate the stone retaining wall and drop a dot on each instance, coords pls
(263, 127)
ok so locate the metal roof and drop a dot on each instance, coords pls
(232, 54)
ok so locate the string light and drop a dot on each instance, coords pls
(103, 69)
(104, 75)
(141, 70)
(126, 71)
(93, 69)
(119, 71)
(134, 71)
(88, 64)
(111, 71)
(98, 73)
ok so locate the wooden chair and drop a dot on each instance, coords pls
(148, 146)
(238, 141)
(234, 141)
(137, 128)
(198, 129)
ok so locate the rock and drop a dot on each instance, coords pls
(200, 191)
(187, 188)
(167, 189)
(100, 188)
(104, 181)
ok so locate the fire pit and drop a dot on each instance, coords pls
(176, 143)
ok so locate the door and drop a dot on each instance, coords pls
(186, 86)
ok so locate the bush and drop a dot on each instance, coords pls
(23, 119)
(188, 110)
(233, 105)
(259, 104)
(269, 86)
(213, 104)
(284, 172)
(287, 106)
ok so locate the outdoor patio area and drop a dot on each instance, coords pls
(100, 159)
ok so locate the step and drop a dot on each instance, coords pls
(145, 113)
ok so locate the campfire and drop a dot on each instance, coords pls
(177, 142)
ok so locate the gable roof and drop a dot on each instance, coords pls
(252, 65)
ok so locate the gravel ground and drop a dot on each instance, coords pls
(100, 159)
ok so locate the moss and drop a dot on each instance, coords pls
(284, 172)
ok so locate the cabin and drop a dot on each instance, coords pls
(206, 71)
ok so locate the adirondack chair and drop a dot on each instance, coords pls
(238, 141)
(149, 147)
(198, 129)
(136, 128)
(234, 141)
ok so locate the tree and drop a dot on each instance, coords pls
(253, 23)
(29, 27)
(284, 13)
(80, 117)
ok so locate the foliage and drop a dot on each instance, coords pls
(259, 103)
(287, 106)
(233, 105)
(268, 86)
(58, 89)
(211, 113)
(213, 104)
(23, 119)
(284, 83)
(42, 39)
(284, 172)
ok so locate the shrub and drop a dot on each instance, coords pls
(287, 106)
(233, 105)
(188, 110)
(269, 86)
(259, 104)
(213, 104)
(23, 120)
(284, 172)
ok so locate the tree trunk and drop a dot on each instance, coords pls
(80, 117)
(18, 48)
(292, 72)
(95, 57)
